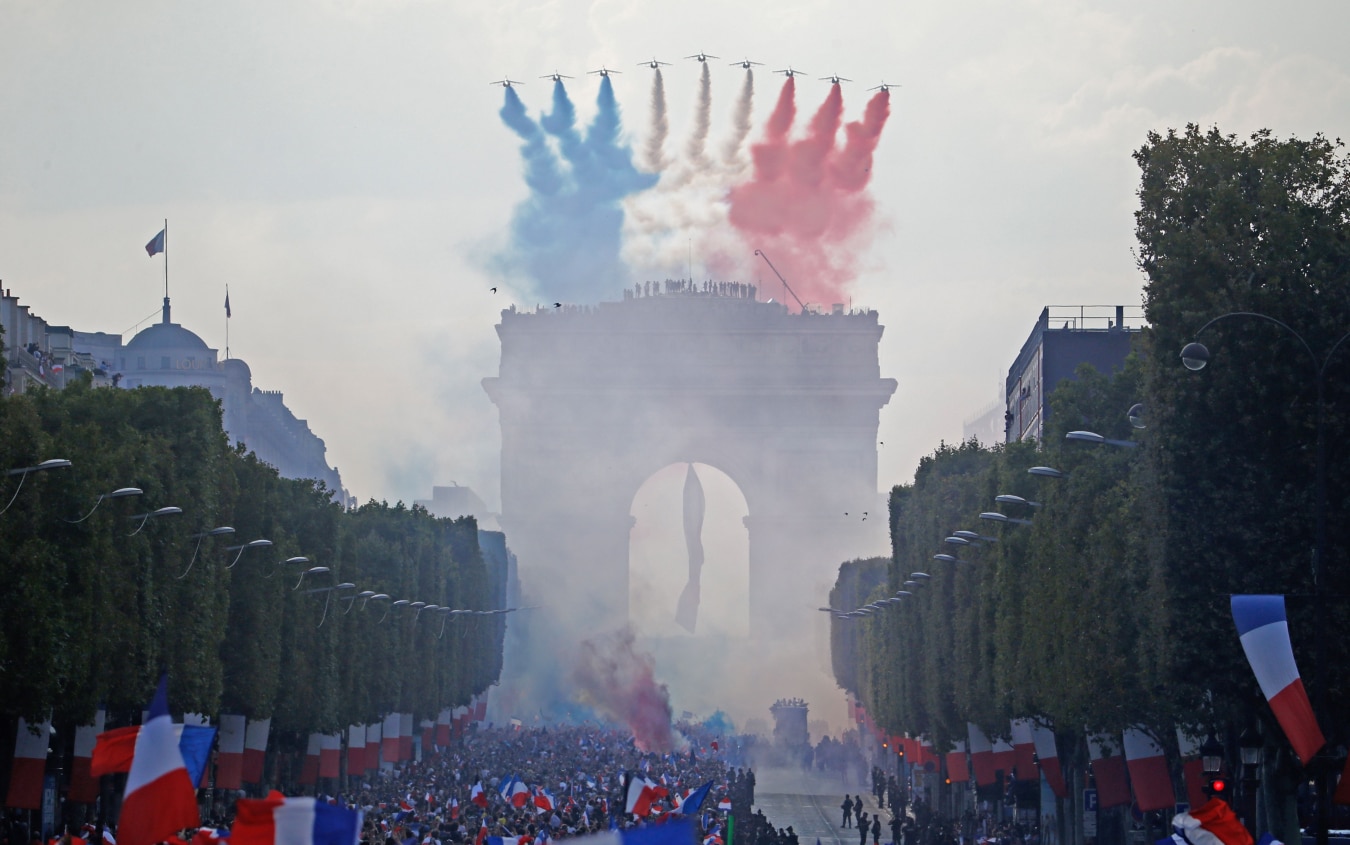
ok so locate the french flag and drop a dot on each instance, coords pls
(30, 761)
(454, 807)
(1048, 755)
(1108, 767)
(389, 740)
(1024, 749)
(639, 797)
(478, 796)
(255, 749)
(1264, 630)
(543, 801)
(356, 750)
(230, 760)
(405, 733)
(330, 755)
(724, 804)
(160, 799)
(480, 707)
(1148, 772)
(373, 745)
(115, 749)
(428, 736)
(957, 768)
(275, 820)
(520, 793)
(1004, 757)
(981, 755)
(443, 728)
(1192, 768)
(83, 784)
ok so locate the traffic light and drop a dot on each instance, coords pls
(1218, 786)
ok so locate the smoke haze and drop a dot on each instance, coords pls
(618, 680)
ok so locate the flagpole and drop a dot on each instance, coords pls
(166, 259)
(227, 322)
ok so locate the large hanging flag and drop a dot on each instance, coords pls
(1108, 768)
(1149, 777)
(1263, 628)
(330, 756)
(255, 748)
(374, 740)
(160, 799)
(1048, 756)
(443, 727)
(30, 762)
(1024, 750)
(389, 739)
(1192, 768)
(1004, 757)
(230, 760)
(405, 736)
(156, 245)
(981, 755)
(957, 768)
(309, 768)
(275, 820)
(356, 750)
(83, 785)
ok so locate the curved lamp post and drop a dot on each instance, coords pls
(214, 532)
(1010, 499)
(281, 563)
(316, 571)
(251, 544)
(1194, 356)
(146, 517)
(24, 472)
(119, 493)
(1094, 437)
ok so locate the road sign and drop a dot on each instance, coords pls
(1089, 813)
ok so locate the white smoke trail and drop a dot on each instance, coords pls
(733, 152)
(698, 140)
(653, 156)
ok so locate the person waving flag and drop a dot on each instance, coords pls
(160, 799)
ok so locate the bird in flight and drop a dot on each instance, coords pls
(557, 305)
(494, 290)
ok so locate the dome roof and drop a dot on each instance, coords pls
(166, 336)
(235, 368)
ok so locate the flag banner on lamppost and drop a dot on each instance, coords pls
(1024, 750)
(30, 761)
(255, 748)
(309, 770)
(981, 755)
(1263, 628)
(1149, 776)
(230, 760)
(957, 769)
(83, 784)
(356, 750)
(1108, 769)
(1048, 754)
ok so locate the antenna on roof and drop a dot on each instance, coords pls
(786, 286)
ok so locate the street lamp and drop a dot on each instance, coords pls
(1249, 744)
(1195, 356)
(1046, 472)
(214, 532)
(1136, 416)
(1010, 499)
(296, 559)
(146, 517)
(1211, 756)
(251, 544)
(1003, 518)
(119, 493)
(24, 472)
(1094, 437)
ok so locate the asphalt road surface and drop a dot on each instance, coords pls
(810, 805)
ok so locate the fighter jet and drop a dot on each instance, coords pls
(789, 72)
(603, 71)
(555, 76)
(506, 83)
(703, 57)
(746, 63)
(834, 80)
(882, 87)
(654, 64)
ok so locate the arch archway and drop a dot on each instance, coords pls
(663, 600)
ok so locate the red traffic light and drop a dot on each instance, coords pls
(1218, 787)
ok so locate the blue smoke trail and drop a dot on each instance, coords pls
(565, 236)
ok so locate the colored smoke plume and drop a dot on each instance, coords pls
(565, 236)
(654, 159)
(805, 204)
(614, 678)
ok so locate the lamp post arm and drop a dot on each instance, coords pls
(1312, 356)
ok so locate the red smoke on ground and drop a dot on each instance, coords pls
(806, 205)
(615, 679)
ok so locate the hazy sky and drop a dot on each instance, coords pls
(341, 165)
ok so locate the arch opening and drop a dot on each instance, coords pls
(675, 517)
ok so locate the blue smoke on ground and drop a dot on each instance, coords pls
(565, 236)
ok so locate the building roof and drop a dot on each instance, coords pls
(166, 336)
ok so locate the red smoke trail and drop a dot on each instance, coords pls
(615, 679)
(805, 205)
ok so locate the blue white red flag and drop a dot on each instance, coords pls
(156, 244)
(695, 800)
(1263, 628)
(160, 799)
(276, 820)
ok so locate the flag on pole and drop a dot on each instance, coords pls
(275, 820)
(1048, 755)
(694, 800)
(1263, 629)
(1149, 777)
(30, 762)
(230, 760)
(83, 785)
(227, 303)
(156, 245)
(478, 796)
(160, 799)
(1108, 767)
(255, 749)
